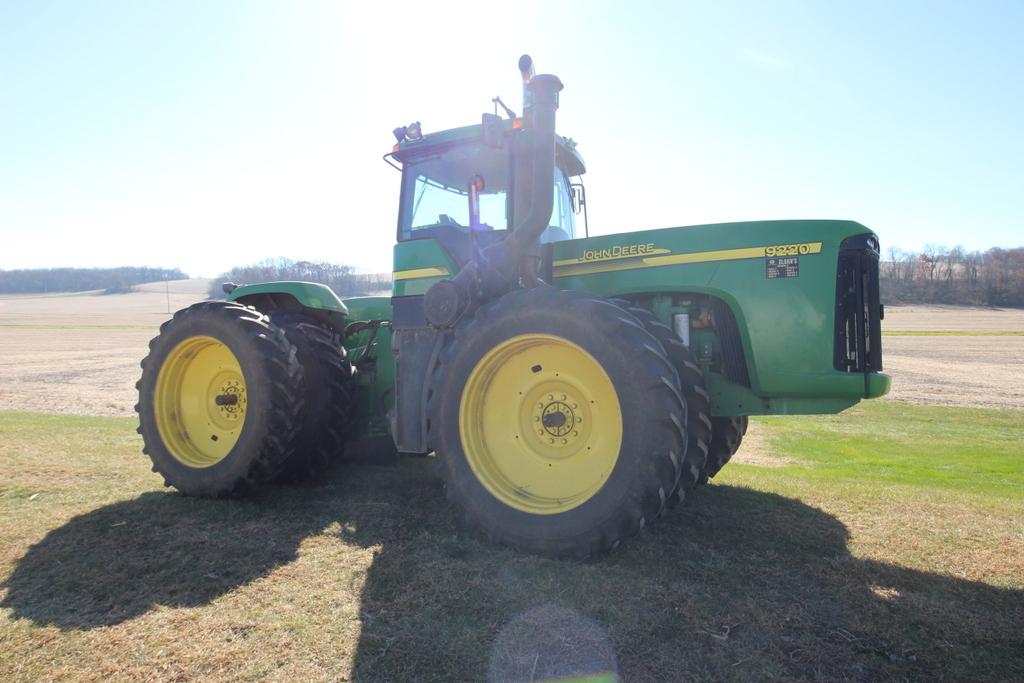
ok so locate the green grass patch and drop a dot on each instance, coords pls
(879, 443)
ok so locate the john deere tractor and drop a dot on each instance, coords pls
(571, 388)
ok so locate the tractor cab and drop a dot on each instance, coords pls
(449, 176)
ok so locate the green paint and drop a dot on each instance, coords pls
(728, 398)
(416, 255)
(309, 294)
(789, 353)
(368, 307)
(375, 383)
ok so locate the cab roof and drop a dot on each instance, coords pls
(566, 155)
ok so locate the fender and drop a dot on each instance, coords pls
(289, 294)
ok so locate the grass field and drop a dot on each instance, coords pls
(886, 543)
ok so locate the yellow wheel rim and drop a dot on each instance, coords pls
(540, 424)
(200, 401)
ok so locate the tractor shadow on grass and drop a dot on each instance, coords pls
(117, 562)
(737, 585)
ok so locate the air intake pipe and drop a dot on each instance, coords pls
(499, 266)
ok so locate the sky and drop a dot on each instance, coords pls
(205, 135)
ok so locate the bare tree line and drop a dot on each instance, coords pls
(941, 275)
(340, 278)
(110, 280)
(935, 275)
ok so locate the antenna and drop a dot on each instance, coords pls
(508, 112)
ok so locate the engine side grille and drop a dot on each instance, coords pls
(733, 360)
(858, 333)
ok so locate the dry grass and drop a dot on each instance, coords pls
(769, 575)
(959, 371)
(921, 318)
(79, 353)
(980, 364)
(146, 307)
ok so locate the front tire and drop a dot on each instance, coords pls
(219, 400)
(557, 421)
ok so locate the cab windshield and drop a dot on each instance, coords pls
(435, 194)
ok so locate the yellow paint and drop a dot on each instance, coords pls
(195, 429)
(540, 424)
(579, 268)
(419, 272)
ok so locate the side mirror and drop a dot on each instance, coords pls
(578, 199)
(579, 204)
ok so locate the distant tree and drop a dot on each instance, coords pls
(940, 275)
(110, 280)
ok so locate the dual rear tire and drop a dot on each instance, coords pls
(711, 440)
(230, 399)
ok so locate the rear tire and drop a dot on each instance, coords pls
(219, 400)
(698, 402)
(504, 397)
(324, 424)
(727, 435)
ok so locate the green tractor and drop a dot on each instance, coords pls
(572, 389)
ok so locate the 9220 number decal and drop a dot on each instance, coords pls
(793, 249)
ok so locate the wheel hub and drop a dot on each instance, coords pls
(556, 416)
(229, 401)
(200, 401)
(540, 423)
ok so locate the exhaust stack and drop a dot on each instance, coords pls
(500, 266)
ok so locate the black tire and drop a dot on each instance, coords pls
(325, 422)
(653, 417)
(698, 401)
(272, 379)
(726, 437)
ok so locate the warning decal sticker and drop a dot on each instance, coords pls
(776, 268)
